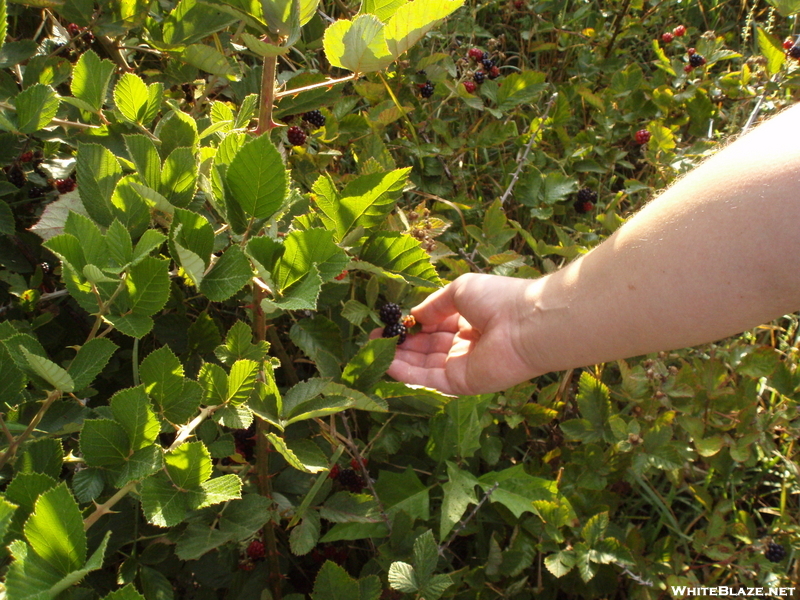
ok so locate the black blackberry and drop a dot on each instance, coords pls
(395, 330)
(296, 136)
(390, 313)
(774, 552)
(351, 480)
(486, 55)
(488, 63)
(479, 77)
(587, 195)
(37, 192)
(426, 91)
(316, 118)
(697, 60)
(17, 176)
(794, 52)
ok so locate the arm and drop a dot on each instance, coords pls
(716, 253)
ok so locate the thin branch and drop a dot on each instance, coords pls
(9, 435)
(463, 523)
(265, 122)
(523, 158)
(12, 448)
(105, 508)
(185, 431)
(314, 86)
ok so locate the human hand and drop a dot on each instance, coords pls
(474, 337)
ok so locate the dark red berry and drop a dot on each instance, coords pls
(642, 136)
(256, 550)
(426, 90)
(73, 29)
(354, 463)
(334, 472)
(788, 43)
(479, 77)
(679, 31)
(26, 157)
(16, 176)
(65, 185)
(390, 313)
(470, 86)
(351, 480)
(687, 68)
(37, 192)
(493, 73)
(697, 60)
(775, 552)
(314, 117)
(397, 330)
(667, 37)
(296, 136)
(519, 4)
(475, 54)
(583, 207)
(691, 51)
(341, 275)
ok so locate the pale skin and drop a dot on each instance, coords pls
(715, 254)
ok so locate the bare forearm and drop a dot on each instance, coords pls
(717, 253)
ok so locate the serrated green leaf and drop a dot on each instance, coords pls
(235, 417)
(7, 225)
(90, 79)
(459, 493)
(49, 371)
(176, 130)
(228, 275)
(220, 489)
(333, 583)
(92, 242)
(263, 48)
(126, 593)
(595, 528)
(345, 507)
(560, 563)
(12, 379)
(193, 232)
(136, 326)
(772, 49)
(369, 364)
(148, 286)
(189, 465)
(383, 9)
(3, 22)
(400, 254)
(162, 503)
(88, 484)
(119, 244)
(239, 345)
(141, 464)
(36, 107)
(210, 60)
(412, 21)
(99, 171)
(309, 399)
(403, 492)
(130, 208)
(132, 410)
(162, 375)
(190, 21)
(144, 154)
(130, 97)
(91, 359)
(302, 249)
(179, 177)
(786, 7)
(104, 443)
(257, 178)
(358, 45)
(214, 381)
(516, 490)
(436, 586)
(242, 381)
(426, 555)
(303, 455)
(55, 530)
(305, 536)
(402, 577)
(151, 240)
(321, 340)
(44, 455)
(303, 295)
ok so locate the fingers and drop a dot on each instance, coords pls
(437, 307)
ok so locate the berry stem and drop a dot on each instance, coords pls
(105, 507)
(265, 122)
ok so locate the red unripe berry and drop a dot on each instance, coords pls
(667, 37)
(74, 29)
(788, 43)
(691, 51)
(519, 4)
(679, 31)
(470, 86)
(475, 54)
(354, 463)
(256, 550)
(26, 157)
(334, 472)
(687, 68)
(65, 185)
(642, 136)
(341, 275)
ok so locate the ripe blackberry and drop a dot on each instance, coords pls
(426, 90)
(73, 29)
(697, 60)
(390, 313)
(470, 86)
(679, 31)
(583, 207)
(314, 117)
(485, 55)
(642, 137)
(37, 192)
(487, 63)
(479, 77)
(65, 185)
(395, 330)
(296, 136)
(667, 37)
(351, 480)
(774, 552)
(493, 73)
(587, 195)
(17, 176)
(475, 54)
(794, 52)
(256, 550)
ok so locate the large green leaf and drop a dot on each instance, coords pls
(132, 410)
(210, 60)
(131, 97)
(413, 20)
(321, 340)
(90, 361)
(36, 107)
(520, 88)
(191, 21)
(239, 345)
(148, 286)
(383, 9)
(358, 45)
(457, 430)
(399, 255)
(459, 493)
(304, 248)
(786, 7)
(12, 379)
(242, 381)
(257, 178)
(49, 371)
(334, 583)
(189, 465)
(55, 531)
(772, 49)
(369, 364)
(90, 79)
(517, 490)
(98, 171)
(179, 177)
(104, 443)
(145, 156)
(228, 275)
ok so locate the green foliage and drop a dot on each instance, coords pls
(186, 367)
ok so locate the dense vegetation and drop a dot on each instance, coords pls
(206, 203)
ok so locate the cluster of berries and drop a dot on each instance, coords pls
(486, 69)
(695, 60)
(17, 175)
(642, 137)
(421, 228)
(391, 314)
(585, 201)
(774, 552)
(313, 119)
(792, 49)
(678, 31)
(349, 479)
(255, 552)
(76, 30)
(426, 89)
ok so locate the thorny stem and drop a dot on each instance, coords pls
(104, 306)
(185, 431)
(12, 448)
(105, 508)
(463, 523)
(265, 122)
(314, 86)
(8, 434)
(523, 158)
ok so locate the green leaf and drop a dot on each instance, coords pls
(560, 563)
(305, 536)
(7, 510)
(191, 21)
(595, 528)
(345, 507)
(45, 455)
(358, 45)
(210, 60)
(333, 583)
(55, 530)
(90, 79)
(3, 22)
(402, 577)
(162, 375)
(303, 455)
(92, 242)
(457, 430)
(136, 326)
(239, 345)
(98, 171)
(520, 88)
(130, 97)
(321, 340)
(12, 379)
(126, 593)
(162, 503)
(228, 275)
(193, 232)
(412, 21)
(242, 381)
(151, 240)
(219, 489)
(367, 367)
(179, 177)
(305, 248)
(176, 130)
(189, 465)
(104, 443)
(257, 178)
(426, 555)
(131, 409)
(517, 490)
(383, 9)
(263, 48)
(88, 484)
(119, 244)
(36, 107)
(235, 417)
(403, 492)
(786, 7)
(459, 493)
(91, 359)
(7, 225)
(311, 398)
(301, 296)
(49, 371)
(214, 381)
(399, 255)
(772, 49)
(141, 464)
(148, 286)
(145, 156)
